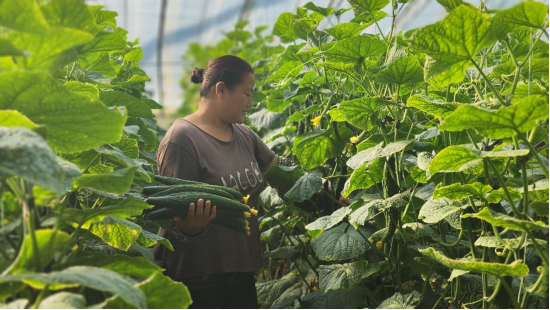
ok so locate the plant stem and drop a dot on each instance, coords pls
(495, 92)
(535, 154)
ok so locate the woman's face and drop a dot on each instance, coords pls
(235, 102)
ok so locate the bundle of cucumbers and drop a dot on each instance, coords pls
(174, 197)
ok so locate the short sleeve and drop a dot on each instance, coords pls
(177, 162)
(264, 155)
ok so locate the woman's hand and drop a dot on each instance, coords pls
(197, 218)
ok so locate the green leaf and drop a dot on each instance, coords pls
(269, 291)
(129, 147)
(283, 28)
(404, 69)
(135, 106)
(364, 176)
(400, 301)
(314, 149)
(315, 228)
(346, 30)
(540, 207)
(459, 36)
(161, 293)
(148, 239)
(307, 185)
(499, 194)
(129, 207)
(531, 14)
(516, 268)
(97, 62)
(48, 243)
(451, 159)
(378, 151)
(286, 300)
(363, 214)
(340, 243)
(24, 15)
(117, 182)
(323, 11)
(118, 156)
(63, 300)
(105, 42)
(70, 14)
(436, 210)
(302, 27)
(134, 55)
(359, 112)
(431, 106)
(338, 299)
(25, 154)
(341, 276)
(355, 49)
(450, 5)
(441, 74)
(71, 172)
(83, 88)
(502, 123)
(45, 49)
(95, 278)
(12, 118)
(288, 70)
(8, 49)
(369, 5)
(116, 232)
(506, 221)
(457, 191)
(46, 102)
(122, 264)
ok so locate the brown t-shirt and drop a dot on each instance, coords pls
(188, 152)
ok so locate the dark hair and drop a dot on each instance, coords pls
(228, 69)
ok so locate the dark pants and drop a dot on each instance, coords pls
(224, 291)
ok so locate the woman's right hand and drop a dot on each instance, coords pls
(197, 217)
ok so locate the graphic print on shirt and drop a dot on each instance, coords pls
(250, 177)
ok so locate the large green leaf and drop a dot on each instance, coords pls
(135, 106)
(288, 70)
(75, 122)
(283, 178)
(95, 278)
(365, 176)
(287, 298)
(345, 30)
(117, 182)
(506, 221)
(86, 217)
(118, 156)
(97, 62)
(283, 28)
(323, 223)
(378, 151)
(431, 106)
(355, 49)
(359, 112)
(502, 123)
(341, 276)
(63, 300)
(451, 159)
(116, 232)
(450, 5)
(148, 239)
(24, 15)
(105, 42)
(269, 291)
(48, 243)
(340, 243)
(531, 14)
(400, 301)
(45, 48)
(307, 185)
(314, 149)
(436, 210)
(338, 299)
(457, 191)
(8, 49)
(163, 293)
(363, 214)
(404, 69)
(323, 11)
(25, 154)
(13, 118)
(459, 36)
(369, 5)
(440, 73)
(70, 14)
(516, 268)
(120, 263)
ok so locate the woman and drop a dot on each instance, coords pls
(213, 146)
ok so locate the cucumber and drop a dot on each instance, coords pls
(186, 198)
(169, 182)
(227, 218)
(177, 189)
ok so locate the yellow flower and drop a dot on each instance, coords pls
(379, 245)
(254, 212)
(245, 198)
(349, 145)
(315, 121)
(354, 139)
(247, 214)
(394, 96)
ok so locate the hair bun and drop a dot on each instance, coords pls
(197, 76)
